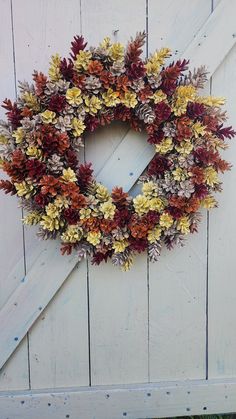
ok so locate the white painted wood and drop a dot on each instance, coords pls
(222, 242)
(217, 36)
(15, 373)
(118, 301)
(119, 324)
(166, 399)
(59, 353)
(177, 283)
(32, 296)
(178, 311)
(127, 162)
(50, 28)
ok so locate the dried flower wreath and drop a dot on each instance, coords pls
(44, 133)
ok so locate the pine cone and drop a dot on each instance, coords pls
(154, 250)
(55, 164)
(154, 81)
(146, 114)
(93, 84)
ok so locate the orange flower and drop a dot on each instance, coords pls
(145, 93)
(106, 226)
(192, 205)
(183, 128)
(26, 112)
(122, 83)
(107, 79)
(90, 223)
(49, 185)
(95, 67)
(177, 201)
(197, 174)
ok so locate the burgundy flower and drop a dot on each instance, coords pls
(122, 217)
(57, 103)
(92, 123)
(156, 138)
(162, 111)
(67, 69)
(71, 215)
(100, 257)
(84, 175)
(158, 165)
(41, 200)
(71, 159)
(201, 191)
(77, 45)
(175, 212)
(195, 110)
(36, 169)
(136, 70)
(138, 245)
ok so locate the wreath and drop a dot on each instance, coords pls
(44, 132)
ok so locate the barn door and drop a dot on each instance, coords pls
(79, 341)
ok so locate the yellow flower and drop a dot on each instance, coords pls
(141, 204)
(129, 99)
(33, 151)
(52, 211)
(185, 147)
(211, 176)
(158, 96)
(49, 223)
(48, 117)
(127, 264)
(183, 95)
(120, 245)
(54, 69)
(31, 101)
(32, 218)
(166, 220)
(102, 193)
(108, 209)
(24, 189)
(18, 135)
(117, 52)
(179, 174)
(92, 104)
(111, 98)
(78, 126)
(106, 43)
(3, 139)
(156, 204)
(94, 237)
(209, 202)
(84, 213)
(82, 60)
(164, 146)
(154, 235)
(183, 225)
(156, 60)
(149, 188)
(68, 175)
(198, 129)
(72, 234)
(61, 202)
(73, 96)
(211, 101)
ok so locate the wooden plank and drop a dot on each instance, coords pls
(119, 324)
(127, 162)
(37, 37)
(177, 283)
(166, 399)
(222, 242)
(15, 373)
(31, 297)
(117, 300)
(217, 35)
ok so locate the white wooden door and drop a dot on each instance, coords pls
(159, 340)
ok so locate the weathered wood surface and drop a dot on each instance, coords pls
(165, 399)
(105, 327)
